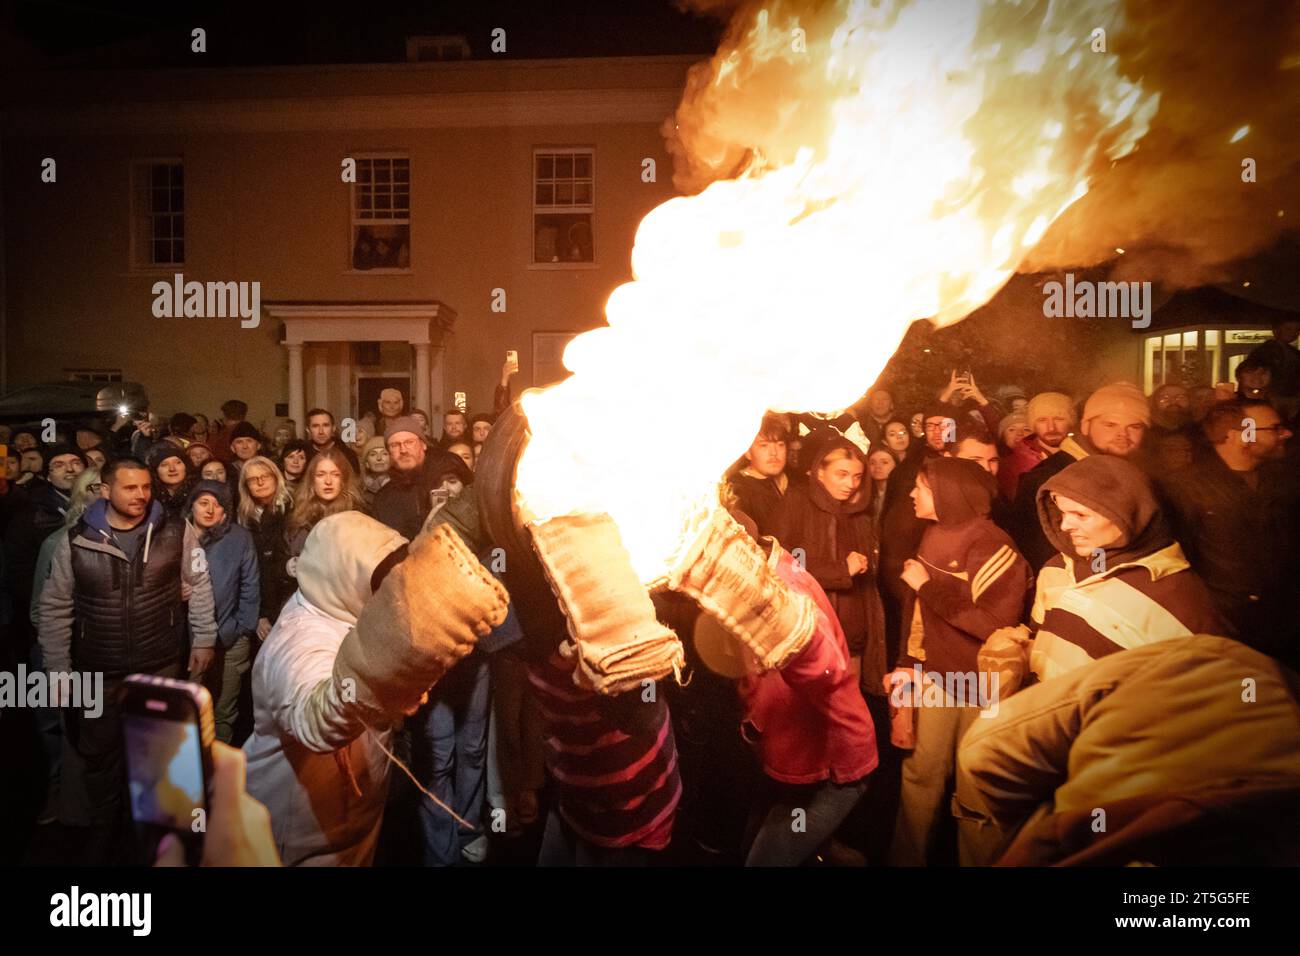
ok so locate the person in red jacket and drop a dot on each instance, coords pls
(813, 733)
(968, 580)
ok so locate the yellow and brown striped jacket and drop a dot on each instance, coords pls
(1152, 598)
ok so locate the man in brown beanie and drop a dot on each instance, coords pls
(405, 501)
(1115, 421)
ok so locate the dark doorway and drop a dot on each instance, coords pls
(368, 390)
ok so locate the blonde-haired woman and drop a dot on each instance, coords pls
(264, 506)
(329, 486)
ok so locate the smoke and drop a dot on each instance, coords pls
(1177, 205)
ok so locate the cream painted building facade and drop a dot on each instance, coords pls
(494, 208)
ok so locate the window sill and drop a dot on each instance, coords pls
(155, 271)
(561, 266)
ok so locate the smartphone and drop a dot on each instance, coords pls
(460, 401)
(512, 357)
(168, 730)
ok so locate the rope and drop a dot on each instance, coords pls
(463, 822)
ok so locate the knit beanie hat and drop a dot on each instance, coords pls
(371, 444)
(245, 430)
(1050, 405)
(1015, 418)
(339, 560)
(404, 423)
(1122, 398)
(217, 489)
(62, 448)
(160, 452)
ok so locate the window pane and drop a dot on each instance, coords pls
(363, 171)
(382, 173)
(160, 177)
(178, 176)
(563, 167)
(1171, 340)
(384, 246)
(1212, 337)
(162, 227)
(563, 237)
(179, 247)
(177, 200)
(178, 227)
(545, 194)
(582, 166)
(545, 167)
(402, 171)
(564, 194)
(159, 200)
(161, 250)
(582, 194)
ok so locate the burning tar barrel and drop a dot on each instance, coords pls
(571, 582)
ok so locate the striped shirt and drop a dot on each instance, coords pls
(1153, 598)
(614, 759)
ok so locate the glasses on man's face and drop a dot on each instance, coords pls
(95, 486)
(404, 445)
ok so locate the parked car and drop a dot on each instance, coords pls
(69, 402)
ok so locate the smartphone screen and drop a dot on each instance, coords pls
(164, 771)
(512, 357)
(168, 730)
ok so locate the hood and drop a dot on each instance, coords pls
(95, 518)
(339, 560)
(962, 489)
(1116, 489)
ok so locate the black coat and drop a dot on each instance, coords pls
(404, 502)
(1244, 542)
(272, 555)
(827, 530)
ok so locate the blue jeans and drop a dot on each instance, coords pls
(449, 758)
(789, 839)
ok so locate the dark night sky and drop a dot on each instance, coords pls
(148, 33)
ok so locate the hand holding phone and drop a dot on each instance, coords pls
(240, 832)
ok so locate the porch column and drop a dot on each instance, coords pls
(422, 379)
(297, 405)
(438, 388)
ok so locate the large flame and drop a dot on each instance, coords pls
(942, 138)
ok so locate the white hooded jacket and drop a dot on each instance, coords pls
(310, 752)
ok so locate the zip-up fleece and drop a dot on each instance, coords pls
(102, 611)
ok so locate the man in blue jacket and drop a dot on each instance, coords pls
(231, 559)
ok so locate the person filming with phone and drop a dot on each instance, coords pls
(119, 580)
(407, 499)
